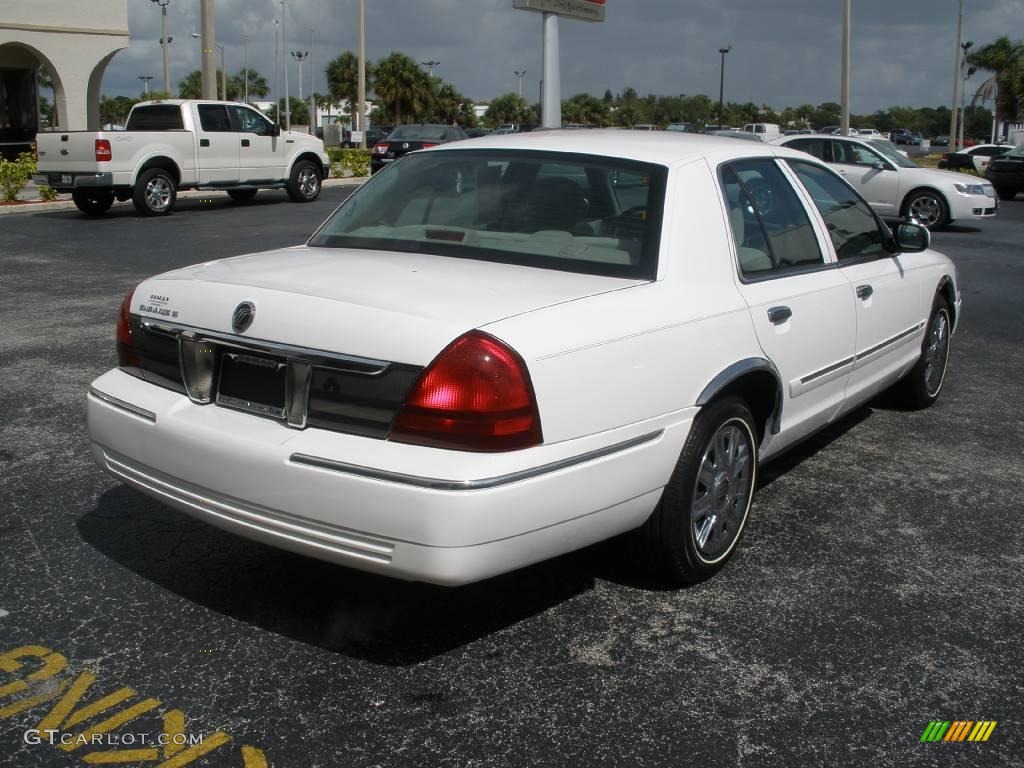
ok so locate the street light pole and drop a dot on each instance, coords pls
(277, 76)
(312, 88)
(145, 82)
(963, 93)
(287, 100)
(956, 77)
(520, 74)
(721, 84)
(164, 41)
(362, 74)
(245, 64)
(430, 66)
(209, 61)
(300, 56)
(223, 75)
(844, 95)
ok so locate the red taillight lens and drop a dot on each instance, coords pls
(103, 151)
(428, 145)
(126, 355)
(380, 149)
(475, 396)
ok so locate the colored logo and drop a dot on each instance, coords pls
(958, 730)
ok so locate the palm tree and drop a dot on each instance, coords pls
(1005, 60)
(343, 79)
(257, 84)
(402, 86)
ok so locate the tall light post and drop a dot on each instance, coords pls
(312, 88)
(721, 84)
(956, 76)
(430, 66)
(164, 40)
(963, 65)
(277, 74)
(245, 65)
(284, 62)
(223, 70)
(520, 73)
(300, 56)
(145, 82)
(844, 87)
(361, 109)
(963, 93)
(209, 38)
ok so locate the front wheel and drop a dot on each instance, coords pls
(304, 183)
(921, 387)
(93, 202)
(155, 192)
(927, 207)
(704, 508)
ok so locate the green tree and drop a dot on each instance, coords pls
(114, 111)
(402, 86)
(191, 87)
(1005, 60)
(343, 79)
(508, 108)
(584, 109)
(300, 111)
(257, 84)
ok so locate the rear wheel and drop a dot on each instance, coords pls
(155, 192)
(304, 183)
(93, 202)
(702, 513)
(921, 387)
(242, 195)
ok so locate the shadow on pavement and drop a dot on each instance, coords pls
(374, 618)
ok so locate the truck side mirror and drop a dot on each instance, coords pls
(275, 130)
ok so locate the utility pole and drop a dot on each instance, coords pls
(551, 105)
(844, 88)
(164, 41)
(209, 59)
(956, 78)
(287, 100)
(312, 89)
(362, 73)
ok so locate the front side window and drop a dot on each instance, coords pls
(569, 212)
(849, 153)
(214, 118)
(250, 122)
(817, 147)
(769, 225)
(855, 230)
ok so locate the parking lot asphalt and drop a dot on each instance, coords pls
(879, 586)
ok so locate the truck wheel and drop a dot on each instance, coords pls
(304, 184)
(154, 193)
(242, 195)
(93, 202)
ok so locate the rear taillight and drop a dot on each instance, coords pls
(428, 144)
(475, 396)
(380, 149)
(103, 151)
(947, 156)
(126, 355)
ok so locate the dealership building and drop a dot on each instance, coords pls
(73, 42)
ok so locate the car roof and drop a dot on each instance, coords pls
(661, 147)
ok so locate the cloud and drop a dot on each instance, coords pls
(786, 52)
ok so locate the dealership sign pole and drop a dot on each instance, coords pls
(585, 10)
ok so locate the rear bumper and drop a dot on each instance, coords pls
(409, 512)
(67, 182)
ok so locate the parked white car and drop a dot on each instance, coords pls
(181, 144)
(895, 185)
(502, 350)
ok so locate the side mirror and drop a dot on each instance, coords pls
(912, 237)
(880, 166)
(275, 130)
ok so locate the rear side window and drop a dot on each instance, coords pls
(770, 227)
(817, 147)
(159, 117)
(214, 118)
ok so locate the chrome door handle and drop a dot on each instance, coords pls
(779, 315)
(864, 291)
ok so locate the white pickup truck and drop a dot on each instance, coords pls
(177, 144)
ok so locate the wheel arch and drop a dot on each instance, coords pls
(926, 188)
(946, 290)
(160, 161)
(758, 382)
(310, 155)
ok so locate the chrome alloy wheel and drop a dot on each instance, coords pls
(309, 182)
(926, 209)
(158, 194)
(723, 490)
(936, 353)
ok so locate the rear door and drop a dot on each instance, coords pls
(261, 155)
(801, 306)
(218, 146)
(887, 290)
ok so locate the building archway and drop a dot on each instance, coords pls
(19, 95)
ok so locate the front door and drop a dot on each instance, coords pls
(218, 146)
(800, 304)
(261, 154)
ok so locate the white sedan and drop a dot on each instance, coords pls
(895, 185)
(501, 350)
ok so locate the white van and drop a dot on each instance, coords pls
(763, 131)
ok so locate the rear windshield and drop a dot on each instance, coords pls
(159, 117)
(570, 212)
(419, 132)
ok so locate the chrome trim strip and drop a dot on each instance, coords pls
(436, 484)
(135, 410)
(828, 369)
(888, 342)
(364, 365)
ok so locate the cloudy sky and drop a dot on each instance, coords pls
(784, 52)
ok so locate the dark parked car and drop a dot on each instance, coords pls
(409, 138)
(940, 141)
(1006, 173)
(905, 136)
(974, 158)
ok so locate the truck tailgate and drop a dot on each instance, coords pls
(70, 151)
